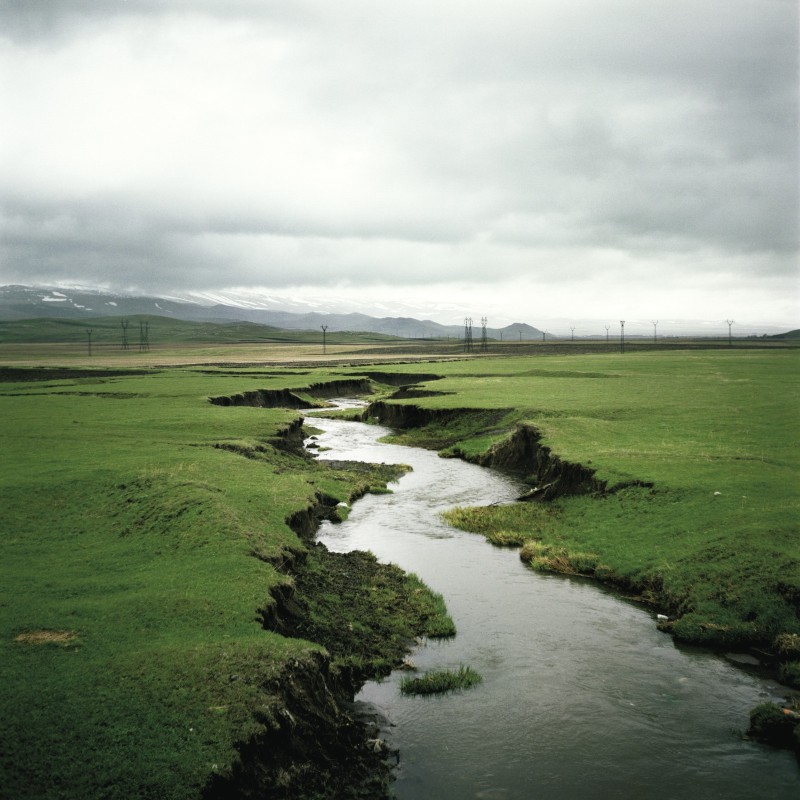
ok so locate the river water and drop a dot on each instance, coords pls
(582, 697)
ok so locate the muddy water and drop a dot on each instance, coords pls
(582, 696)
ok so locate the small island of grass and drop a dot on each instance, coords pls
(440, 681)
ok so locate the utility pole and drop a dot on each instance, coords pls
(144, 337)
(622, 336)
(730, 335)
(324, 339)
(89, 338)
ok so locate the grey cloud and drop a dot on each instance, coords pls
(412, 142)
(111, 240)
(42, 20)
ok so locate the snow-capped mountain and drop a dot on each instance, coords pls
(26, 302)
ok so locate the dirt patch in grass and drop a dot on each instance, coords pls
(20, 374)
(45, 637)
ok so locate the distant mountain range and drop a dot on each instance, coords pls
(32, 302)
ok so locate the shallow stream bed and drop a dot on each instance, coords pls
(582, 697)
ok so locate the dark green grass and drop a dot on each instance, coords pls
(776, 725)
(367, 615)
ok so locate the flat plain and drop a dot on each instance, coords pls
(145, 527)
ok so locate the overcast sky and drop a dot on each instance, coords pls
(523, 159)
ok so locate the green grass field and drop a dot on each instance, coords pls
(715, 538)
(139, 547)
(143, 529)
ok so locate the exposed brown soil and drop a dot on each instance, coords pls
(314, 746)
(45, 637)
(23, 374)
(291, 398)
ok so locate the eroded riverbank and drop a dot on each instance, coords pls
(582, 695)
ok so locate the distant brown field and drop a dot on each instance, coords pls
(286, 354)
(43, 355)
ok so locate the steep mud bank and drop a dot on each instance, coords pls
(312, 744)
(365, 613)
(366, 616)
(289, 439)
(293, 398)
(340, 388)
(401, 378)
(405, 417)
(306, 521)
(264, 398)
(550, 475)
(522, 452)
(410, 392)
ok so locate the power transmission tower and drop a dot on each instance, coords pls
(144, 336)
(89, 338)
(468, 335)
(572, 337)
(622, 336)
(124, 324)
(730, 335)
(607, 327)
(484, 339)
(324, 339)
(655, 330)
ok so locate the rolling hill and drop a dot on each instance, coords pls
(33, 302)
(159, 329)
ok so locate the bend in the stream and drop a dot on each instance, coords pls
(582, 696)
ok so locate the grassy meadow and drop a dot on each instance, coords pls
(143, 529)
(712, 537)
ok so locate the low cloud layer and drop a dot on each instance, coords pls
(550, 159)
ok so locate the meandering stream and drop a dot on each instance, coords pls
(582, 697)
